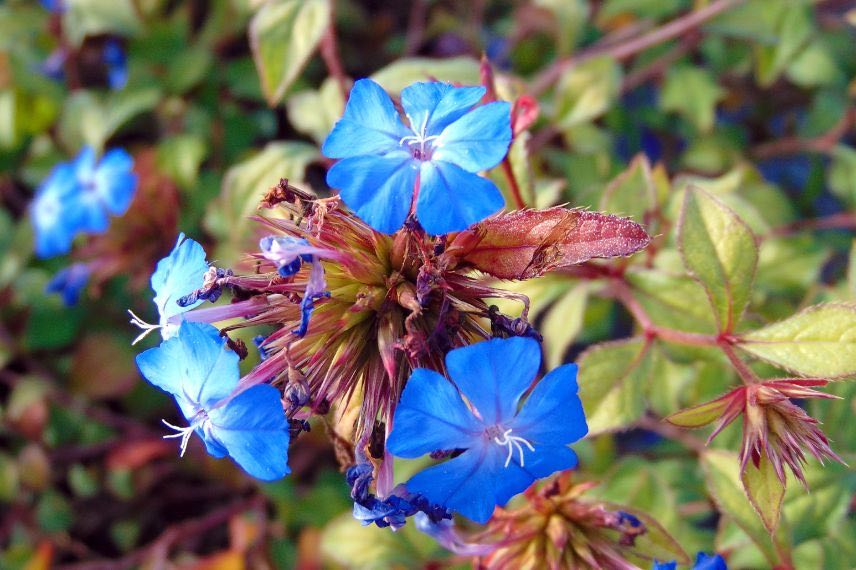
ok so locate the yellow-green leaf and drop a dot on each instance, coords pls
(692, 92)
(563, 323)
(819, 341)
(401, 73)
(631, 193)
(765, 492)
(720, 251)
(83, 18)
(283, 36)
(722, 474)
(700, 415)
(612, 383)
(587, 91)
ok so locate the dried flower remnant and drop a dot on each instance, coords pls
(557, 527)
(772, 425)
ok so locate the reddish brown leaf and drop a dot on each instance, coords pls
(529, 243)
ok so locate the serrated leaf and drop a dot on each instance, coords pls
(245, 184)
(612, 383)
(719, 250)
(587, 91)
(81, 18)
(722, 475)
(528, 243)
(402, 72)
(692, 93)
(631, 193)
(283, 36)
(672, 301)
(563, 323)
(765, 491)
(819, 341)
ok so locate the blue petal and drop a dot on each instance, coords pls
(479, 140)
(177, 275)
(69, 282)
(114, 181)
(84, 164)
(431, 107)
(553, 413)
(664, 565)
(712, 562)
(494, 374)
(370, 124)
(378, 189)
(452, 199)
(253, 429)
(465, 484)
(431, 416)
(54, 212)
(195, 366)
(542, 462)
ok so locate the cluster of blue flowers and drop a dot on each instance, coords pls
(79, 197)
(195, 366)
(386, 165)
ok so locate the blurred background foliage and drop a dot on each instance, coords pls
(752, 101)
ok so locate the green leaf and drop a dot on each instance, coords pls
(570, 17)
(563, 323)
(719, 250)
(283, 36)
(672, 301)
(722, 474)
(631, 193)
(793, 27)
(180, 157)
(587, 91)
(700, 415)
(842, 174)
(612, 383)
(314, 112)
(819, 341)
(692, 93)
(765, 491)
(245, 184)
(402, 72)
(83, 18)
(90, 118)
(851, 270)
(815, 66)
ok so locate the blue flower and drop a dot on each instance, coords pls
(201, 373)
(177, 275)
(117, 64)
(504, 450)
(703, 562)
(79, 196)
(448, 141)
(69, 282)
(709, 562)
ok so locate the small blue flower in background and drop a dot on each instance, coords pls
(201, 373)
(79, 196)
(56, 6)
(505, 450)
(179, 274)
(447, 143)
(709, 562)
(117, 64)
(69, 282)
(703, 562)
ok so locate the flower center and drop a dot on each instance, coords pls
(199, 420)
(420, 145)
(512, 442)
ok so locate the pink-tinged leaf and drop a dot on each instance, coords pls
(529, 243)
(524, 112)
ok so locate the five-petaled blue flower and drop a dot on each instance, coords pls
(505, 450)
(197, 368)
(177, 275)
(437, 156)
(79, 196)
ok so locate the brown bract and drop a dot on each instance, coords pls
(528, 243)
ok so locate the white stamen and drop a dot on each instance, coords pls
(514, 443)
(138, 322)
(183, 432)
